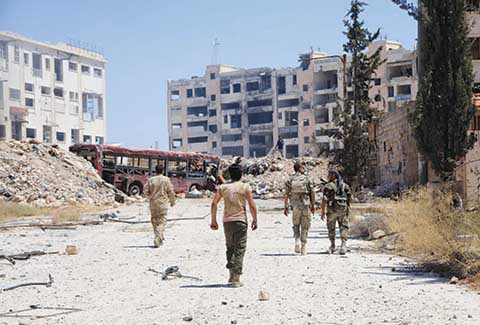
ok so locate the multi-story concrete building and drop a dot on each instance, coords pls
(53, 93)
(232, 111)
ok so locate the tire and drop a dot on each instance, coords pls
(198, 187)
(135, 188)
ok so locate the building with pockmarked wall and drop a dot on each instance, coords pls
(52, 93)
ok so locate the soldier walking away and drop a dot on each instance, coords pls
(159, 190)
(235, 222)
(299, 191)
(336, 200)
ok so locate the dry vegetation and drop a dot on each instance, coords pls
(432, 230)
(10, 211)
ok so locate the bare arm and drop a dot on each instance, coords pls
(213, 212)
(312, 201)
(285, 209)
(171, 193)
(253, 209)
(324, 205)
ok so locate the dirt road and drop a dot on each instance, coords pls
(110, 282)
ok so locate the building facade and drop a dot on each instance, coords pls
(51, 93)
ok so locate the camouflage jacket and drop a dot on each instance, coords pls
(337, 201)
(299, 188)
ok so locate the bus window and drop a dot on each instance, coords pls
(143, 163)
(177, 168)
(196, 166)
(156, 162)
(108, 160)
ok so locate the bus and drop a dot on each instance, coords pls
(129, 169)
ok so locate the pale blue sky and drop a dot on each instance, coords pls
(148, 42)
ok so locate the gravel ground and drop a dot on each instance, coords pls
(110, 282)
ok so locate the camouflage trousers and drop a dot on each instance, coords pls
(302, 219)
(342, 219)
(236, 242)
(159, 220)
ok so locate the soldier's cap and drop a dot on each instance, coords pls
(334, 172)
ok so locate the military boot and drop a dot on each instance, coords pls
(331, 249)
(297, 245)
(230, 279)
(304, 249)
(157, 242)
(236, 281)
(343, 247)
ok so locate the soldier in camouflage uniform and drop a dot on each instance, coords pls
(336, 199)
(299, 191)
(159, 191)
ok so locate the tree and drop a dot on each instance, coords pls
(444, 106)
(357, 110)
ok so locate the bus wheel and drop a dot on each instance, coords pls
(135, 188)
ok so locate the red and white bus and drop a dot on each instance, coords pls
(129, 169)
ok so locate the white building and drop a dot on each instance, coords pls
(52, 93)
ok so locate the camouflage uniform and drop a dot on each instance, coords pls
(299, 188)
(336, 212)
(159, 191)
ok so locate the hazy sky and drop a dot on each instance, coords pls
(149, 42)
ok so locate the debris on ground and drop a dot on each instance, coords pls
(46, 284)
(267, 175)
(263, 295)
(24, 256)
(71, 250)
(173, 272)
(369, 226)
(45, 176)
(194, 194)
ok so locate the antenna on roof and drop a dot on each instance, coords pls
(216, 52)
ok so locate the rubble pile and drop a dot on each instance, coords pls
(45, 176)
(267, 175)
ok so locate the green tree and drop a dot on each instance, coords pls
(357, 111)
(444, 106)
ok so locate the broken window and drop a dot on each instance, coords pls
(213, 98)
(260, 118)
(266, 81)
(189, 93)
(259, 103)
(14, 94)
(174, 166)
(197, 110)
(212, 112)
(214, 144)
(306, 139)
(60, 136)
(291, 151)
(213, 128)
(176, 143)
(281, 85)
(404, 91)
(196, 166)
(201, 92)
(202, 124)
(225, 86)
(28, 87)
(305, 88)
(227, 106)
(306, 122)
(175, 94)
(212, 76)
(16, 54)
(72, 66)
(236, 121)
(29, 102)
(232, 151)
(294, 80)
(58, 92)
(85, 69)
(31, 133)
(391, 91)
(45, 90)
(97, 72)
(47, 64)
(291, 118)
(288, 103)
(377, 81)
(176, 125)
(197, 139)
(73, 96)
(58, 70)
(225, 119)
(253, 86)
(47, 134)
(231, 137)
(237, 88)
(26, 59)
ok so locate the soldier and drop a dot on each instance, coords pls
(159, 191)
(235, 223)
(337, 196)
(299, 190)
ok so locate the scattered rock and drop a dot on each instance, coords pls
(263, 295)
(71, 250)
(454, 280)
(187, 318)
(378, 234)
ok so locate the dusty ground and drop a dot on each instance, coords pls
(110, 282)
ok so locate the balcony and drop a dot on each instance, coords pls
(3, 64)
(404, 97)
(325, 91)
(261, 127)
(37, 73)
(197, 131)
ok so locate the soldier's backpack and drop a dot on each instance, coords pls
(341, 199)
(299, 185)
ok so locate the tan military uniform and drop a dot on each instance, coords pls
(299, 189)
(159, 190)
